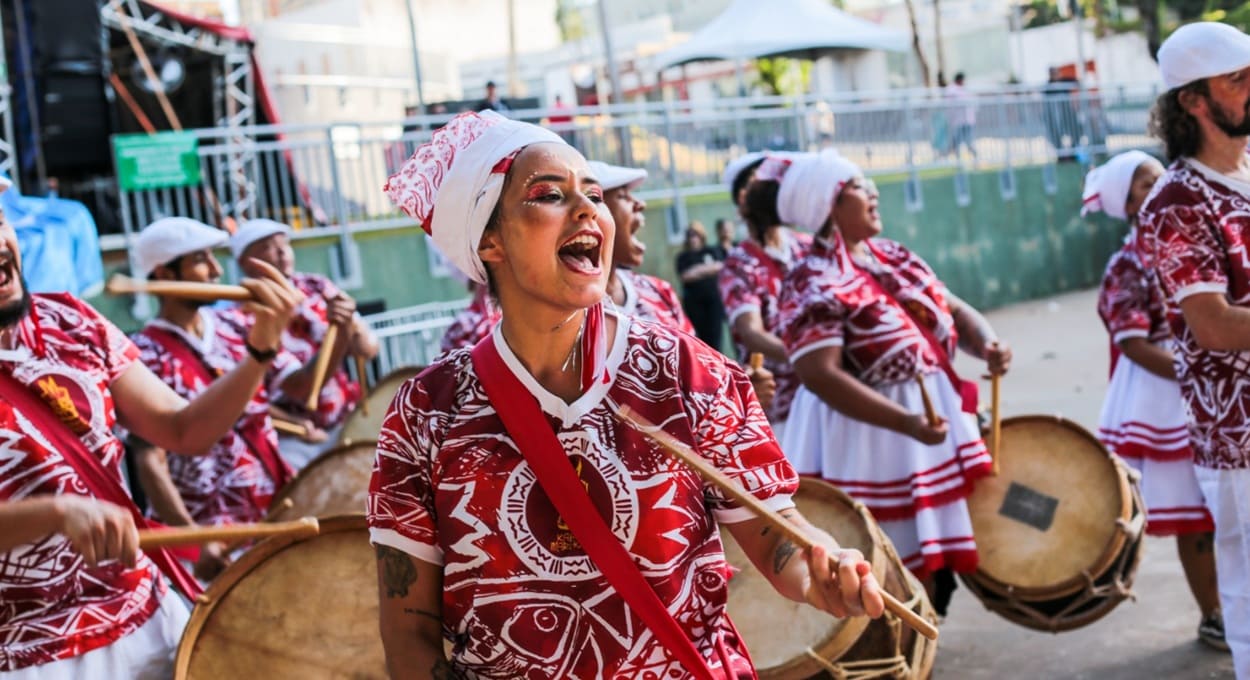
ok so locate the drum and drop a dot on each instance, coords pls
(334, 483)
(787, 639)
(290, 608)
(1058, 531)
(360, 427)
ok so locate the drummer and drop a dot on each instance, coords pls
(1195, 226)
(861, 318)
(751, 281)
(516, 208)
(1143, 416)
(324, 306)
(188, 345)
(77, 597)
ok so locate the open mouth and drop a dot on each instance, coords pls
(8, 269)
(634, 242)
(581, 253)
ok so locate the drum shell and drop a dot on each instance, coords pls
(360, 427)
(334, 483)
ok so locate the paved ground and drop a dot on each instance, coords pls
(1061, 367)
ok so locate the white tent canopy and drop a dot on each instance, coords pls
(805, 28)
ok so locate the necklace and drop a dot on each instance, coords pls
(571, 359)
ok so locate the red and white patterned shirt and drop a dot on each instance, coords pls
(1177, 232)
(302, 339)
(827, 302)
(1130, 303)
(473, 323)
(521, 597)
(51, 605)
(651, 298)
(230, 484)
(750, 283)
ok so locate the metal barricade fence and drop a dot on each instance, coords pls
(410, 336)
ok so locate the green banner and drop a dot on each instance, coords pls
(162, 159)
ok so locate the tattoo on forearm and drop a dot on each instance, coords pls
(443, 670)
(785, 550)
(398, 571)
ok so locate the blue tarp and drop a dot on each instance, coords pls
(59, 244)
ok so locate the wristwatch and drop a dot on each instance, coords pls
(261, 356)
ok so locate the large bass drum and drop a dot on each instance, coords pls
(788, 640)
(301, 609)
(334, 483)
(1058, 531)
(361, 427)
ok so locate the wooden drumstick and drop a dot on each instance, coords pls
(756, 361)
(929, 412)
(996, 424)
(323, 363)
(364, 383)
(289, 427)
(160, 538)
(121, 284)
(730, 487)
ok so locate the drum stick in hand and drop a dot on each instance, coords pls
(755, 361)
(289, 427)
(364, 384)
(323, 364)
(120, 284)
(929, 411)
(160, 538)
(996, 423)
(731, 488)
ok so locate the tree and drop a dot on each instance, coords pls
(915, 42)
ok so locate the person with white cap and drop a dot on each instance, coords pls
(325, 305)
(751, 281)
(1194, 231)
(864, 321)
(473, 322)
(500, 469)
(1143, 417)
(78, 598)
(188, 345)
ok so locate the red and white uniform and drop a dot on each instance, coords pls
(1143, 417)
(302, 339)
(651, 298)
(915, 491)
(52, 607)
(230, 484)
(751, 281)
(521, 597)
(1178, 229)
(472, 324)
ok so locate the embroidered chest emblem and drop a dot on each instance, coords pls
(62, 405)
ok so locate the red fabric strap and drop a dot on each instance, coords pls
(99, 482)
(529, 428)
(277, 468)
(967, 389)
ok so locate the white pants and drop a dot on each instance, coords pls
(1227, 493)
(144, 654)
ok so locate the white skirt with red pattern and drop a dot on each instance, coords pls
(1143, 421)
(916, 492)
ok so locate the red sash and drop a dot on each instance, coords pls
(253, 435)
(758, 252)
(99, 482)
(967, 389)
(529, 428)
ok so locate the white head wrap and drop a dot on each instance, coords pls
(1107, 186)
(452, 182)
(1203, 49)
(737, 165)
(810, 185)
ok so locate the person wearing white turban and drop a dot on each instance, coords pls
(865, 321)
(1143, 416)
(468, 535)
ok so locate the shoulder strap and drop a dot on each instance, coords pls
(529, 428)
(270, 458)
(99, 482)
(967, 390)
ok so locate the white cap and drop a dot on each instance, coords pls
(1203, 49)
(614, 176)
(169, 238)
(737, 165)
(252, 231)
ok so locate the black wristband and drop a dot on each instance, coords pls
(261, 356)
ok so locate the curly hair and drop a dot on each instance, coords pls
(1173, 125)
(761, 206)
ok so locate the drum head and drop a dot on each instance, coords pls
(777, 631)
(290, 608)
(1051, 514)
(334, 483)
(361, 427)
